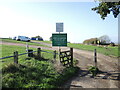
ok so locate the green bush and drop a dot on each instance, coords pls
(90, 41)
(93, 70)
(35, 74)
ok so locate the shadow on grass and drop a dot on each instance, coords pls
(36, 58)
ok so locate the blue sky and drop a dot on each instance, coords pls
(40, 18)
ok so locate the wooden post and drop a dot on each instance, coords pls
(95, 57)
(39, 53)
(55, 55)
(16, 57)
(30, 53)
(71, 51)
(27, 48)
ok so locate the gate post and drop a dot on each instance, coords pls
(71, 51)
(95, 57)
(30, 53)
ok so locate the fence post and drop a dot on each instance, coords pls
(16, 57)
(39, 53)
(55, 55)
(71, 51)
(30, 53)
(95, 57)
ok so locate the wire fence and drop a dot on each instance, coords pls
(66, 57)
(26, 53)
(30, 54)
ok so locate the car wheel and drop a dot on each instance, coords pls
(18, 39)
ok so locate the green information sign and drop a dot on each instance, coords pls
(59, 39)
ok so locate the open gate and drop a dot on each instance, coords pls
(66, 57)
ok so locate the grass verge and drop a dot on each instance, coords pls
(109, 51)
(22, 42)
(49, 42)
(35, 74)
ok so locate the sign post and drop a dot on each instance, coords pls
(59, 39)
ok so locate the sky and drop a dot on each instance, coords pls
(34, 17)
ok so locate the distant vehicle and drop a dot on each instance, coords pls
(14, 38)
(22, 38)
(40, 39)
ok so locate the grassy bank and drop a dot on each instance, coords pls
(49, 42)
(109, 51)
(35, 74)
(23, 42)
(30, 72)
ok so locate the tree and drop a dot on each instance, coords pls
(105, 8)
(91, 41)
(104, 39)
(50, 38)
(38, 36)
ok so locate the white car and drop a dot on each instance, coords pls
(22, 38)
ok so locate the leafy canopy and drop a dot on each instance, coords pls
(105, 8)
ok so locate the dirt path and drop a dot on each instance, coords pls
(108, 65)
(107, 79)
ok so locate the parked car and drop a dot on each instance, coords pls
(33, 38)
(40, 39)
(22, 38)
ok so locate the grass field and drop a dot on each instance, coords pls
(109, 51)
(30, 72)
(8, 50)
(29, 43)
